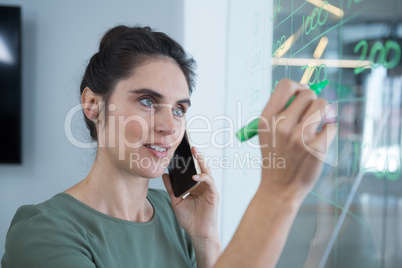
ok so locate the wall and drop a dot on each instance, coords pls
(59, 37)
(205, 38)
(248, 86)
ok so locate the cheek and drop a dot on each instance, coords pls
(177, 138)
(126, 128)
(179, 134)
(135, 129)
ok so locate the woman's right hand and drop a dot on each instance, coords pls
(282, 134)
(262, 232)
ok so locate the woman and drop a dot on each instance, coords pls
(135, 93)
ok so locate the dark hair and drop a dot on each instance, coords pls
(121, 50)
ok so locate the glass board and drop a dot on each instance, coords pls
(353, 216)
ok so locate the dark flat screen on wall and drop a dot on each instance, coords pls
(10, 84)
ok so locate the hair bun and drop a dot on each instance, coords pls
(112, 35)
(118, 31)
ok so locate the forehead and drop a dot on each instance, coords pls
(162, 75)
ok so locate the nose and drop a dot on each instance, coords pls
(165, 122)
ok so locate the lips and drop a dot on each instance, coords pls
(162, 145)
(157, 149)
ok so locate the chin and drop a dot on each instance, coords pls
(153, 174)
(147, 166)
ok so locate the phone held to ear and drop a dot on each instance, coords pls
(181, 169)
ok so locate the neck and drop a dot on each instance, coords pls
(114, 191)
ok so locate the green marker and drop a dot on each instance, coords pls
(251, 129)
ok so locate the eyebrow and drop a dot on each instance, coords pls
(157, 95)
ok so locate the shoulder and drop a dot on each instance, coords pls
(33, 219)
(38, 216)
(29, 213)
(37, 235)
(57, 212)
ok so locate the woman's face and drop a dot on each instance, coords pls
(145, 121)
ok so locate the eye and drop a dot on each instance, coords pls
(147, 102)
(179, 111)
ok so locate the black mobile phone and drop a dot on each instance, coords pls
(181, 169)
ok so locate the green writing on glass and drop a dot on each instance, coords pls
(280, 44)
(318, 73)
(256, 23)
(388, 56)
(256, 59)
(277, 8)
(349, 5)
(254, 96)
(384, 170)
(276, 83)
(311, 22)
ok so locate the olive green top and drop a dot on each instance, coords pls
(64, 232)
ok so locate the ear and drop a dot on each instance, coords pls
(90, 104)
